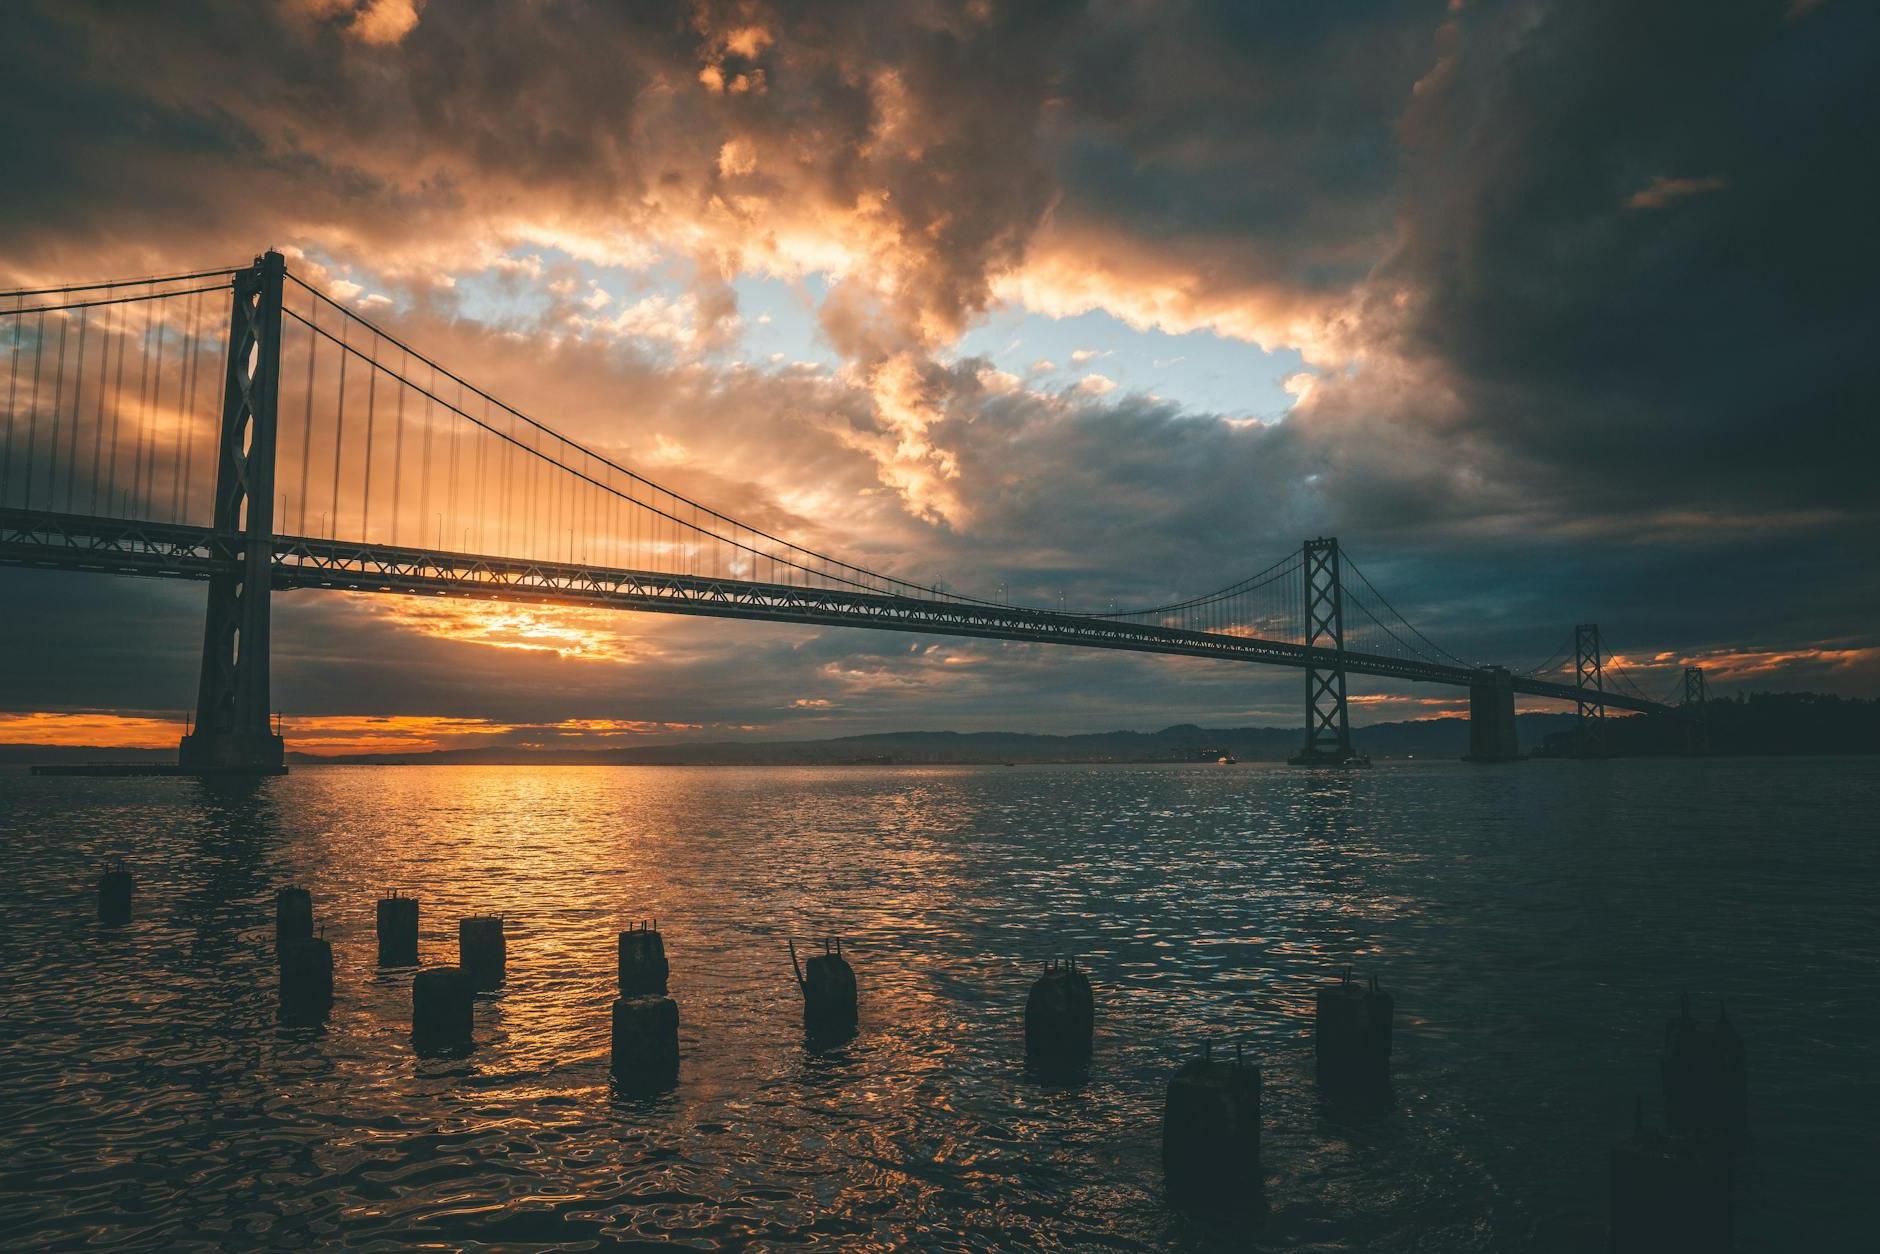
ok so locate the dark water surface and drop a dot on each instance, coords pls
(1536, 921)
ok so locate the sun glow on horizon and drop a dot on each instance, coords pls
(335, 735)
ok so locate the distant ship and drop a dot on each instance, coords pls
(1226, 759)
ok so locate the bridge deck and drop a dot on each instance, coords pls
(175, 550)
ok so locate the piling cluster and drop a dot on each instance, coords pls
(1670, 1187)
(443, 998)
(1211, 1120)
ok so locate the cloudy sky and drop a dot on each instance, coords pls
(1552, 312)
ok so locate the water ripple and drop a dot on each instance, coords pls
(1535, 921)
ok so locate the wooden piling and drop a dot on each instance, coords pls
(306, 978)
(1060, 1021)
(293, 916)
(1669, 1192)
(1706, 1078)
(398, 931)
(114, 894)
(643, 967)
(482, 952)
(827, 983)
(645, 1051)
(1352, 1038)
(1211, 1133)
(442, 1010)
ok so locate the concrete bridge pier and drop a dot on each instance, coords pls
(1492, 735)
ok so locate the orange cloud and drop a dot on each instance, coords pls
(582, 634)
(1729, 665)
(1663, 191)
(106, 731)
(1393, 701)
(332, 735)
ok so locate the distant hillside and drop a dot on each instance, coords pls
(1756, 724)
(36, 755)
(1761, 723)
(1184, 743)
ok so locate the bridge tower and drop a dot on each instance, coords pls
(1492, 736)
(1328, 723)
(232, 733)
(1590, 678)
(1696, 706)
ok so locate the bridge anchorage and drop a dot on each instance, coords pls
(387, 473)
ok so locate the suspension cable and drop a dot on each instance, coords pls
(137, 282)
(808, 553)
(1353, 568)
(677, 521)
(1250, 584)
(116, 300)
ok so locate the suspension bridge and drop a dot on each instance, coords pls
(240, 427)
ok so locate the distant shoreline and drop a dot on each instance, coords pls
(1760, 725)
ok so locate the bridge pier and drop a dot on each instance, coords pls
(232, 733)
(1492, 736)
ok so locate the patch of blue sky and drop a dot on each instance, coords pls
(777, 317)
(779, 327)
(1198, 371)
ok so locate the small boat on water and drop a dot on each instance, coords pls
(1226, 759)
(1357, 759)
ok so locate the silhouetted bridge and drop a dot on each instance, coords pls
(100, 474)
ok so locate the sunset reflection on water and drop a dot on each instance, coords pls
(1523, 918)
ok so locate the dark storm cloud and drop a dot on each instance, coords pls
(1588, 287)
(1259, 134)
(1635, 237)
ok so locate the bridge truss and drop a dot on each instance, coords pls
(97, 477)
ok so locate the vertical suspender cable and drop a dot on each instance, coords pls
(398, 449)
(185, 412)
(97, 444)
(144, 424)
(197, 375)
(32, 420)
(78, 396)
(306, 416)
(339, 430)
(372, 397)
(13, 373)
(58, 406)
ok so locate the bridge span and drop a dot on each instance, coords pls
(554, 522)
